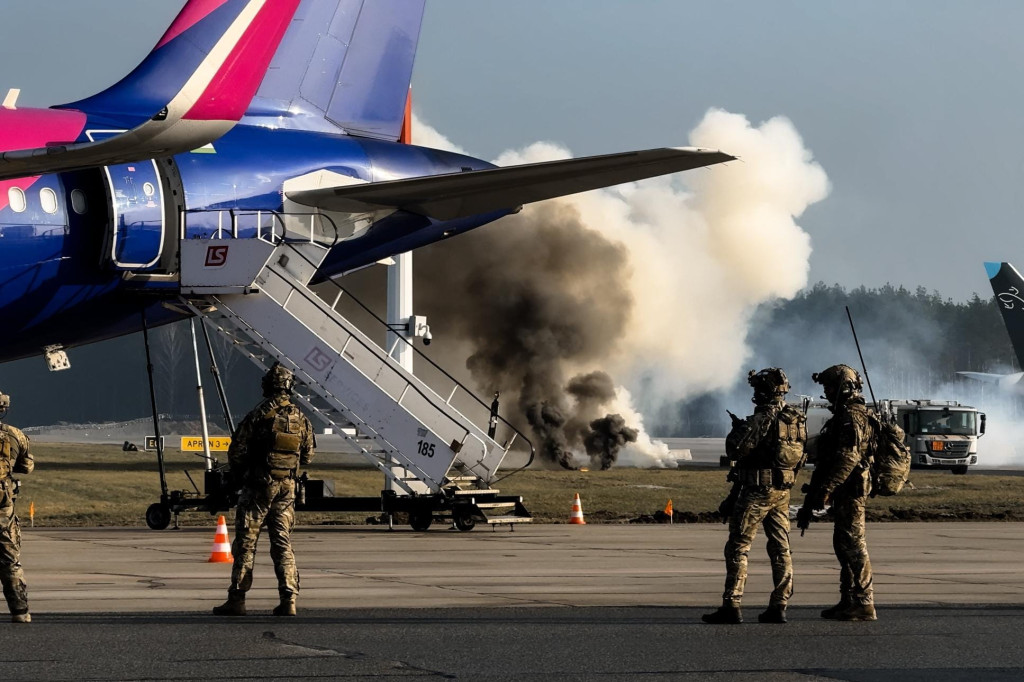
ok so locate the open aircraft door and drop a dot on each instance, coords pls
(141, 213)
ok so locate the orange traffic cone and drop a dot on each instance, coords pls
(668, 511)
(576, 515)
(221, 553)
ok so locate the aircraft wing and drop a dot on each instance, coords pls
(457, 195)
(1001, 379)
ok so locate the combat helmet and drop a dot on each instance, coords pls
(841, 382)
(769, 384)
(278, 379)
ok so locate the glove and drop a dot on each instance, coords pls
(803, 519)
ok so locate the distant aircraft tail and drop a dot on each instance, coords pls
(343, 64)
(1008, 286)
(207, 66)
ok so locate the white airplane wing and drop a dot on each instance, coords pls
(1001, 379)
(456, 195)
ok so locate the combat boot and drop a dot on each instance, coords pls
(25, 617)
(832, 613)
(775, 613)
(857, 612)
(234, 606)
(286, 607)
(727, 613)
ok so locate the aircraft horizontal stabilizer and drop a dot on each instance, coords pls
(457, 195)
(152, 139)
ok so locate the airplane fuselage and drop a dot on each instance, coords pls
(72, 245)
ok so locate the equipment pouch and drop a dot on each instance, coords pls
(783, 479)
(286, 442)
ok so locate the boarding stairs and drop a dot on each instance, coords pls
(255, 292)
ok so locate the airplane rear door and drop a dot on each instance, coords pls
(137, 200)
(138, 219)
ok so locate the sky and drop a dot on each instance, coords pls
(912, 108)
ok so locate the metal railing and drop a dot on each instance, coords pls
(270, 226)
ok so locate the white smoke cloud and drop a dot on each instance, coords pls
(705, 248)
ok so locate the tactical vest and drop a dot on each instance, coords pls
(791, 435)
(778, 456)
(283, 429)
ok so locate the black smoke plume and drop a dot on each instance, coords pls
(606, 438)
(539, 292)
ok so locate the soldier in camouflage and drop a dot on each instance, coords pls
(266, 451)
(767, 450)
(842, 477)
(15, 458)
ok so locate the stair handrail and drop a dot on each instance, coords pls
(276, 217)
(516, 432)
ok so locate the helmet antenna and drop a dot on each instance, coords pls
(867, 379)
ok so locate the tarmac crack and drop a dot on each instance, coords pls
(310, 650)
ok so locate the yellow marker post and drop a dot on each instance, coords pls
(32, 514)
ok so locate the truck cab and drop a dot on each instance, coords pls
(941, 434)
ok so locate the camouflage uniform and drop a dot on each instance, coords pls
(842, 476)
(761, 493)
(15, 458)
(264, 462)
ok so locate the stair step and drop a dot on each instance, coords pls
(494, 505)
(486, 491)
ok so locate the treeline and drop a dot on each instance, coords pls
(914, 343)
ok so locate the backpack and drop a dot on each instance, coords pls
(282, 427)
(889, 458)
(791, 436)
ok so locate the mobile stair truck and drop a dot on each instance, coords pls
(441, 463)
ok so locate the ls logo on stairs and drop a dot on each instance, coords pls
(318, 359)
(216, 256)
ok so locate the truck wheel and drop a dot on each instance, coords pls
(158, 516)
(464, 522)
(421, 520)
(960, 470)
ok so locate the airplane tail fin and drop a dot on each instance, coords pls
(1008, 286)
(207, 66)
(343, 64)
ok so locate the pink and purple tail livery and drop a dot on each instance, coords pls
(214, 55)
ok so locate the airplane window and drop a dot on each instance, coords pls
(48, 198)
(16, 197)
(78, 202)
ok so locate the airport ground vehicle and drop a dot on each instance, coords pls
(941, 434)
